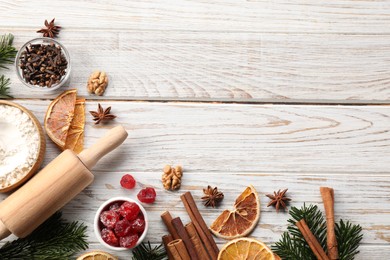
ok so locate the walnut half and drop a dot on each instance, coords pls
(171, 177)
(97, 83)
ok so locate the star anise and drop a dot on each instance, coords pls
(278, 199)
(102, 114)
(212, 196)
(51, 30)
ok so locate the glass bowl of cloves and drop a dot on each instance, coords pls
(43, 63)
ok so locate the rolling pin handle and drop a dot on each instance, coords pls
(113, 138)
(4, 232)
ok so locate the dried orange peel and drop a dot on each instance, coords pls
(64, 121)
(240, 221)
(245, 248)
(75, 137)
(97, 255)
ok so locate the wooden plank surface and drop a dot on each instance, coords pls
(240, 67)
(371, 214)
(321, 16)
(249, 138)
(310, 56)
(269, 146)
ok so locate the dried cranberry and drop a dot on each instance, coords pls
(122, 228)
(128, 241)
(109, 218)
(128, 181)
(109, 237)
(129, 210)
(138, 225)
(147, 195)
(115, 207)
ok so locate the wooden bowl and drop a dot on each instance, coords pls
(42, 147)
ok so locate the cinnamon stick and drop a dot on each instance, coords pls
(178, 250)
(166, 239)
(200, 225)
(178, 225)
(199, 248)
(327, 195)
(311, 240)
(167, 218)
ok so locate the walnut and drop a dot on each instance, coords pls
(171, 177)
(97, 83)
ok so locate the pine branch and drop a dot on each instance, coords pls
(145, 252)
(54, 239)
(4, 89)
(348, 238)
(293, 246)
(7, 51)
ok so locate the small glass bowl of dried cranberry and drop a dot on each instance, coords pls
(121, 223)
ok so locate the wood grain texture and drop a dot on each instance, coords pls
(269, 146)
(222, 15)
(369, 212)
(238, 67)
(296, 52)
(266, 138)
(367, 209)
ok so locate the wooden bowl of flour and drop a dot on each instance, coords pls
(22, 145)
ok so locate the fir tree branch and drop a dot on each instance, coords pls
(145, 252)
(4, 89)
(348, 238)
(54, 239)
(7, 51)
(293, 246)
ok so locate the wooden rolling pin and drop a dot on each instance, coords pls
(54, 186)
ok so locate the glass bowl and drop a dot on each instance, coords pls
(46, 41)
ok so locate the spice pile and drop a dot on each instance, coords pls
(43, 65)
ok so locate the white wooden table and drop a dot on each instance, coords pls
(278, 94)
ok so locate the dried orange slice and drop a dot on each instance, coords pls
(245, 249)
(240, 221)
(59, 116)
(97, 255)
(75, 137)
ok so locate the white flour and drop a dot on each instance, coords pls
(19, 145)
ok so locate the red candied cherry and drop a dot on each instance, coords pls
(109, 218)
(129, 210)
(109, 237)
(122, 228)
(138, 225)
(115, 207)
(128, 241)
(147, 195)
(128, 181)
